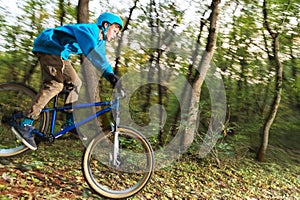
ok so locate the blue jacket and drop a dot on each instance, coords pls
(75, 39)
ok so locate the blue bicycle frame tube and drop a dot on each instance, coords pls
(87, 119)
(77, 106)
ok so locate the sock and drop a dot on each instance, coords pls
(26, 121)
(69, 118)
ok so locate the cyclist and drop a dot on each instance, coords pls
(53, 48)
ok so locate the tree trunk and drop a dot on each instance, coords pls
(275, 104)
(83, 11)
(90, 77)
(89, 72)
(199, 79)
(184, 94)
(278, 89)
(154, 21)
(62, 11)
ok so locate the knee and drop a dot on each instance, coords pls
(54, 86)
(59, 86)
(77, 84)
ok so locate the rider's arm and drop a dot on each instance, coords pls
(87, 36)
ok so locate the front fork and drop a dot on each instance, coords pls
(116, 162)
(115, 155)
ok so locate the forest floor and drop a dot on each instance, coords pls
(54, 172)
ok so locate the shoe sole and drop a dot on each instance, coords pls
(22, 139)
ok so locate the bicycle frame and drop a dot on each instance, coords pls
(111, 105)
(121, 151)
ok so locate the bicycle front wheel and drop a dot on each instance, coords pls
(133, 171)
(14, 100)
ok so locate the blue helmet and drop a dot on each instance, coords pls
(110, 18)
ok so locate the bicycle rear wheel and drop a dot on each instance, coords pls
(130, 176)
(14, 100)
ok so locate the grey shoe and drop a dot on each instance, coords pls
(25, 135)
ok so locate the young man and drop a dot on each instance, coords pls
(53, 48)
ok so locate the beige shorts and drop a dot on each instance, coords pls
(55, 73)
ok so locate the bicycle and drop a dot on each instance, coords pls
(116, 163)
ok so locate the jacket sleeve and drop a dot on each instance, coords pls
(88, 39)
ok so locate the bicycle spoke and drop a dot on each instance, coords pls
(14, 99)
(135, 169)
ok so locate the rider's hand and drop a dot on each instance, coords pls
(114, 80)
(116, 83)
